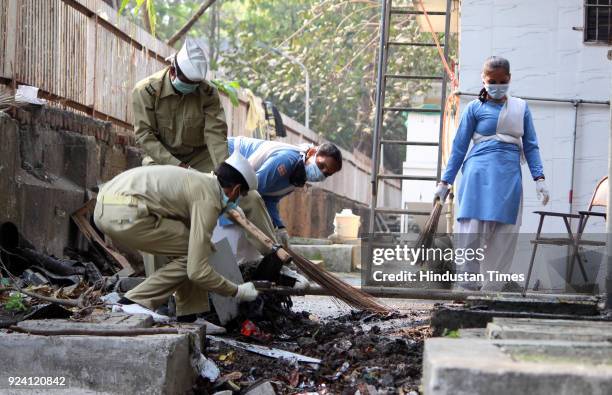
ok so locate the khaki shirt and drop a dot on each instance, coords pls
(186, 195)
(173, 128)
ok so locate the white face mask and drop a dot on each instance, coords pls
(497, 91)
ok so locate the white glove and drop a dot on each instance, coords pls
(282, 237)
(441, 192)
(246, 292)
(301, 282)
(542, 191)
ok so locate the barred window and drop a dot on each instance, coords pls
(597, 21)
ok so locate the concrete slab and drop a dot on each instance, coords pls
(543, 329)
(335, 257)
(472, 333)
(98, 321)
(156, 364)
(550, 304)
(505, 367)
(448, 317)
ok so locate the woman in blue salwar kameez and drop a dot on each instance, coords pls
(490, 195)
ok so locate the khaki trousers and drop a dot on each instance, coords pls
(136, 228)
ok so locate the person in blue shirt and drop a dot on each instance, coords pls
(490, 195)
(282, 167)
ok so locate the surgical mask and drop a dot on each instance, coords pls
(497, 91)
(183, 87)
(313, 173)
(229, 205)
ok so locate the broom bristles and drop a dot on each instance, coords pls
(336, 287)
(425, 239)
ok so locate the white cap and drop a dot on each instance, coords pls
(240, 163)
(191, 59)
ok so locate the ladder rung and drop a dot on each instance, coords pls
(403, 11)
(417, 143)
(413, 77)
(406, 177)
(411, 109)
(389, 210)
(389, 234)
(414, 44)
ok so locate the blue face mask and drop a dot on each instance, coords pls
(497, 91)
(183, 87)
(229, 205)
(313, 173)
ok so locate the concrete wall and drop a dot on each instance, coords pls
(48, 157)
(548, 59)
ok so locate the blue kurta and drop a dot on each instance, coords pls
(491, 186)
(273, 174)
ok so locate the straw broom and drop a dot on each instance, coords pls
(335, 286)
(426, 237)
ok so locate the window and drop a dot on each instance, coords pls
(597, 18)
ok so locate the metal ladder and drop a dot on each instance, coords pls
(381, 84)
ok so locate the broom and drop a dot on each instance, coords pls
(426, 237)
(335, 286)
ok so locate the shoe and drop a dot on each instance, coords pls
(125, 300)
(187, 319)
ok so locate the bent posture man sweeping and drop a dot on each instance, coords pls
(282, 167)
(168, 210)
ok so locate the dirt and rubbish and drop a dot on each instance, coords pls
(357, 352)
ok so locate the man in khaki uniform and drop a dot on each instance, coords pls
(178, 116)
(179, 120)
(171, 211)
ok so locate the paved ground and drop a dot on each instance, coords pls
(328, 307)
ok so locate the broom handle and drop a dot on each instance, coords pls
(258, 234)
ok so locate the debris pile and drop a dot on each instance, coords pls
(34, 285)
(358, 353)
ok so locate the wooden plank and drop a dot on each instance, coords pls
(80, 218)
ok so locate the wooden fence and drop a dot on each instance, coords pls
(84, 57)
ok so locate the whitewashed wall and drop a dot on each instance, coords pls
(421, 161)
(548, 59)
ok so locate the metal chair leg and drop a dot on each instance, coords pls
(533, 253)
(576, 253)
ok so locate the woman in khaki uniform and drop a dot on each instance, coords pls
(168, 210)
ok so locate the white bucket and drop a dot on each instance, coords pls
(346, 224)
